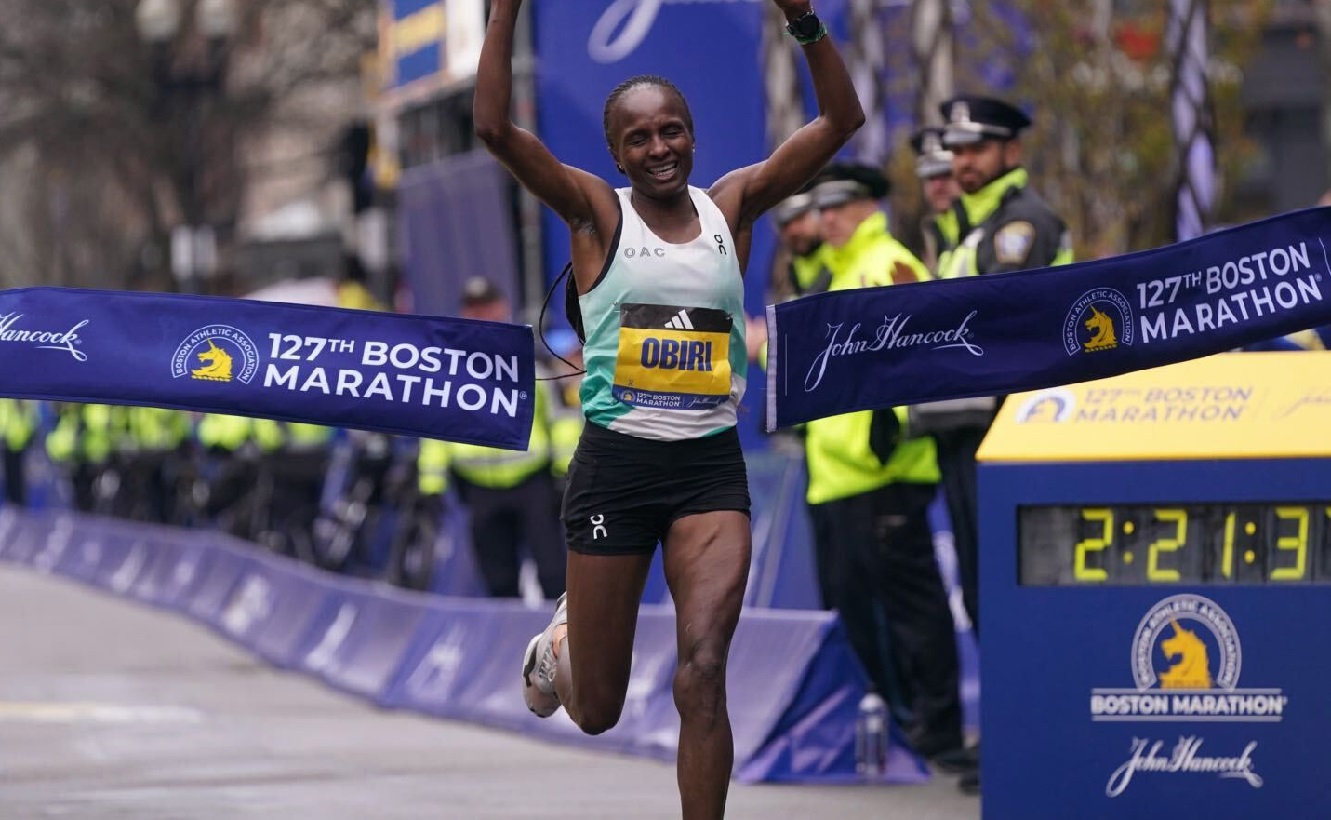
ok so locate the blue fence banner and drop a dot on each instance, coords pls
(843, 351)
(793, 687)
(438, 377)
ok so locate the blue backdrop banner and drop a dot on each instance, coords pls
(990, 335)
(587, 48)
(446, 378)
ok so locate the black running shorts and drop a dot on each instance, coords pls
(624, 492)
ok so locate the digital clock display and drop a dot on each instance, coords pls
(1139, 544)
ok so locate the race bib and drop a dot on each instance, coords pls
(672, 358)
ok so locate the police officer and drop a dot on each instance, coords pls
(298, 470)
(510, 494)
(798, 270)
(236, 452)
(84, 443)
(353, 285)
(800, 267)
(421, 514)
(18, 424)
(566, 419)
(1002, 226)
(870, 485)
(933, 167)
(148, 455)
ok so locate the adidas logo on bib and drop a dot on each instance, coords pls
(680, 321)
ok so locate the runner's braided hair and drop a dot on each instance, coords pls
(639, 81)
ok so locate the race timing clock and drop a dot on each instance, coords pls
(1155, 577)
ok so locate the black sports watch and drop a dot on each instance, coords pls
(806, 27)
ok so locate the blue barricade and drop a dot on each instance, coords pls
(216, 579)
(74, 551)
(782, 575)
(794, 683)
(171, 571)
(20, 533)
(361, 636)
(814, 737)
(272, 607)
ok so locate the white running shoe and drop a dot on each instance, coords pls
(539, 664)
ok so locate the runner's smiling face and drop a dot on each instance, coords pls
(651, 141)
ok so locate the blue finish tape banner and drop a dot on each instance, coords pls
(991, 335)
(445, 378)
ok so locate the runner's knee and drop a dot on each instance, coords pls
(700, 681)
(597, 716)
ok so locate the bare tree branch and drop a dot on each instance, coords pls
(1098, 82)
(113, 156)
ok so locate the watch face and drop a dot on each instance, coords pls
(805, 26)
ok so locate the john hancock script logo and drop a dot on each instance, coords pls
(1150, 756)
(892, 334)
(45, 339)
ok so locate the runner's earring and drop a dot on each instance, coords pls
(619, 168)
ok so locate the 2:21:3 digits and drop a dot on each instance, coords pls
(1175, 544)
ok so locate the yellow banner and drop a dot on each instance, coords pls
(1235, 405)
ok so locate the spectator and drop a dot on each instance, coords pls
(870, 486)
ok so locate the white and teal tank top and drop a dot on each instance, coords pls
(665, 353)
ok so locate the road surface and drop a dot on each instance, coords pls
(111, 709)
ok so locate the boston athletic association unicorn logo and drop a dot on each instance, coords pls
(1101, 326)
(1190, 666)
(1098, 321)
(216, 353)
(217, 364)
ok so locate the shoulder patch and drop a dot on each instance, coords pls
(1013, 241)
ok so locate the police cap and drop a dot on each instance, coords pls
(792, 208)
(931, 158)
(969, 119)
(480, 291)
(843, 182)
